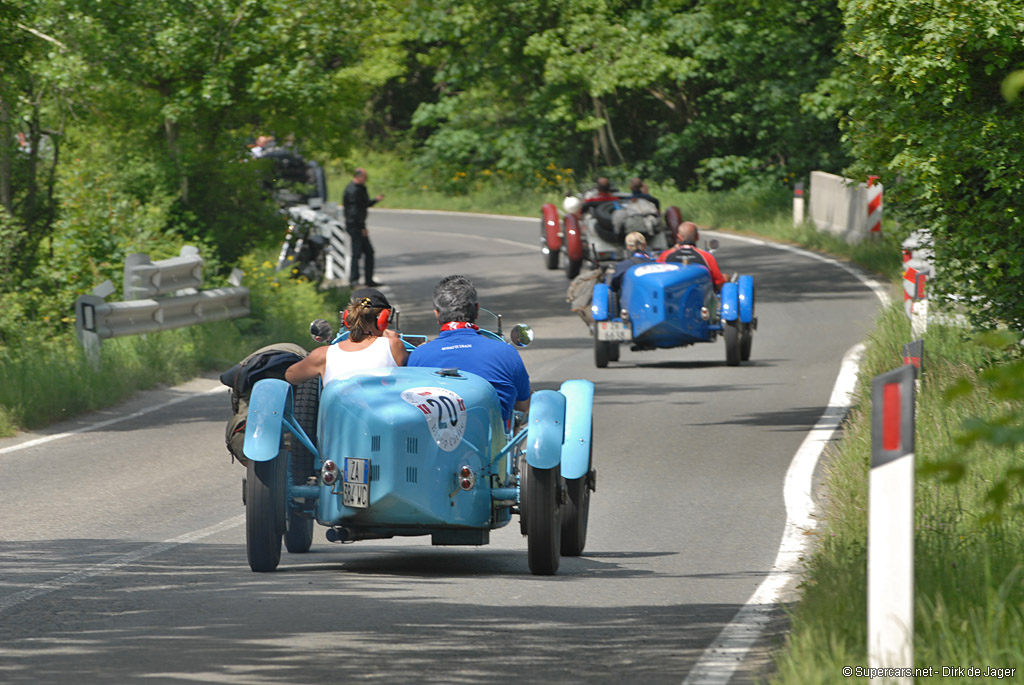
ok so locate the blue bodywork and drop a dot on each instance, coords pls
(421, 431)
(673, 304)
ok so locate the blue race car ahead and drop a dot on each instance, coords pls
(663, 305)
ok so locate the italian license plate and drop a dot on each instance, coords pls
(614, 331)
(356, 487)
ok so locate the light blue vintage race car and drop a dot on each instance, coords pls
(672, 305)
(416, 451)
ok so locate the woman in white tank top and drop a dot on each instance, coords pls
(370, 348)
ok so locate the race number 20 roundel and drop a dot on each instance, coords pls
(444, 411)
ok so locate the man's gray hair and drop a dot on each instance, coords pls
(455, 299)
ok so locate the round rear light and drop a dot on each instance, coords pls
(329, 472)
(466, 483)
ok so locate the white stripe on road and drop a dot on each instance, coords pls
(721, 658)
(116, 563)
(108, 422)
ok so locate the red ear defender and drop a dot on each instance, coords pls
(344, 318)
(383, 319)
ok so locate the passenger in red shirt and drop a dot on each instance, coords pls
(686, 246)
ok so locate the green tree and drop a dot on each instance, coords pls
(651, 87)
(920, 86)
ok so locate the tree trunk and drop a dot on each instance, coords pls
(601, 141)
(171, 129)
(5, 155)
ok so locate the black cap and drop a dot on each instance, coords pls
(376, 298)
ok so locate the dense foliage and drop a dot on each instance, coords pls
(123, 126)
(919, 85)
(695, 91)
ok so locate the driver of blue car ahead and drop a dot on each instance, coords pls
(459, 345)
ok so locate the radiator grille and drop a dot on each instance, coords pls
(411, 474)
(412, 445)
(375, 443)
(375, 472)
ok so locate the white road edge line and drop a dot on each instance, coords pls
(108, 422)
(721, 658)
(116, 563)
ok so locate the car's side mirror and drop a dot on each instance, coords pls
(321, 331)
(713, 245)
(521, 335)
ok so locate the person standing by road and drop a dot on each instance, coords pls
(356, 202)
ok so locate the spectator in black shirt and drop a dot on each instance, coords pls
(356, 202)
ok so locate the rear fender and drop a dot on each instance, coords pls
(599, 302)
(270, 401)
(730, 298)
(579, 414)
(573, 238)
(545, 429)
(746, 298)
(549, 218)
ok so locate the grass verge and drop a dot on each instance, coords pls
(52, 380)
(969, 594)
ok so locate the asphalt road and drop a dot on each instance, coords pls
(122, 548)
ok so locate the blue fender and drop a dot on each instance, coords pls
(730, 298)
(579, 415)
(545, 429)
(269, 401)
(746, 297)
(599, 302)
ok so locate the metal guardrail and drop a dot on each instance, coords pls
(144, 278)
(96, 319)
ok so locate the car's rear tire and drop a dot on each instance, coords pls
(549, 252)
(746, 340)
(265, 512)
(673, 217)
(573, 247)
(543, 520)
(576, 510)
(613, 352)
(524, 488)
(602, 351)
(298, 537)
(732, 343)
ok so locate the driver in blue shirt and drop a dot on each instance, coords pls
(459, 345)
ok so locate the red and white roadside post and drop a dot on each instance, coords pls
(913, 354)
(891, 523)
(874, 207)
(798, 203)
